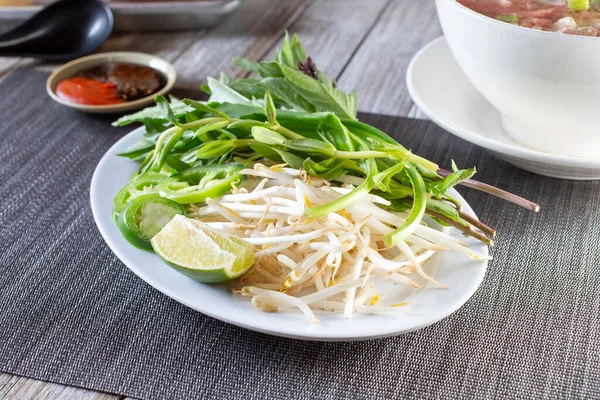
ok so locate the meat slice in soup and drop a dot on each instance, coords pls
(574, 17)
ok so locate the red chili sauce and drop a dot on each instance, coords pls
(111, 83)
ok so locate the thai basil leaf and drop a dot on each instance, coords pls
(265, 151)
(440, 187)
(154, 115)
(284, 92)
(166, 110)
(322, 97)
(290, 159)
(262, 69)
(445, 209)
(202, 132)
(328, 169)
(383, 179)
(221, 93)
(214, 149)
(333, 131)
(138, 149)
(197, 105)
(311, 146)
(249, 88)
(268, 136)
(270, 110)
(239, 110)
(291, 53)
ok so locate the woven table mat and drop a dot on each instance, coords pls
(72, 313)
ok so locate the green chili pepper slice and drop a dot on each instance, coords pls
(145, 216)
(141, 185)
(196, 184)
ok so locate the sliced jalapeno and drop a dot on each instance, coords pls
(145, 216)
(143, 184)
(196, 184)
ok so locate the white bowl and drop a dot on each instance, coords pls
(70, 69)
(544, 84)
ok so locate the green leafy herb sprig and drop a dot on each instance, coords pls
(292, 113)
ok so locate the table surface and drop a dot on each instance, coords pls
(364, 44)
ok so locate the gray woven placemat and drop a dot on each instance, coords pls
(71, 313)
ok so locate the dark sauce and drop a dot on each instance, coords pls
(111, 83)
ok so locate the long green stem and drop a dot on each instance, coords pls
(363, 189)
(244, 142)
(467, 230)
(384, 154)
(494, 191)
(286, 132)
(416, 213)
(360, 154)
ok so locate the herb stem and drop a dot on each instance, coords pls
(363, 189)
(384, 154)
(286, 132)
(244, 142)
(480, 225)
(419, 205)
(467, 229)
(204, 121)
(360, 154)
(494, 191)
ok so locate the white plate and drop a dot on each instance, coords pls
(429, 305)
(443, 92)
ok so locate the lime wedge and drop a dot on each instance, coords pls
(196, 250)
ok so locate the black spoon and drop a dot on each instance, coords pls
(63, 30)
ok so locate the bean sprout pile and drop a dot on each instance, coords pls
(335, 262)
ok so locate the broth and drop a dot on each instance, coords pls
(577, 17)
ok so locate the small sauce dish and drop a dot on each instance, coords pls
(117, 78)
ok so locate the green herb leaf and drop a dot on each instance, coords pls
(221, 93)
(154, 114)
(329, 169)
(440, 187)
(323, 98)
(165, 109)
(239, 110)
(197, 105)
(284, 92)
(311, 146)
(290, 159)
(138, 149)
(262, 69)
(291, 52)
(445, 209)
(268, 136)
(215, 149)
(333, 131)
(383, 179)
(270, 110)
(202, 132)
(265, 151)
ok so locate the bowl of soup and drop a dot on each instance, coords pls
(537, 62)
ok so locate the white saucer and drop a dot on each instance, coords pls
(443, 92)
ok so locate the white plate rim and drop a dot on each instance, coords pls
(480, 140)
(104, 221)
